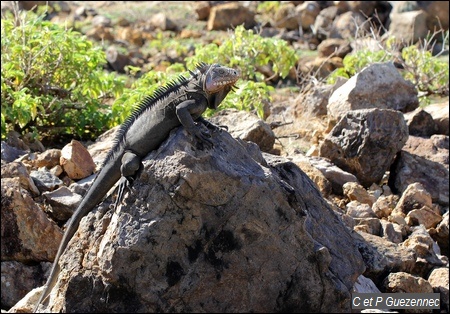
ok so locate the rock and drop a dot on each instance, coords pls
(408, 169)
(367, 8)
(434, 148)
(10, 153)
(116, 60)
(24, 142)
(229, 15)
(100, 148)
(391, 231)
(378, 85)
(355, 191)
(313, 173)
(63, 203)
(382, 256)
(82, 186)
(100, 33)
(44, 180)
(76, 160)
(402, 282)
(440, 113)
(409, 27)
(413, 197)
(319, 67)
(324, 21)
(347, 25)
(27, 233)
(13, 289)
(307, 12)
(416, 204)
(441, 234)
(365, 285)
(212, 231)
(365, 142)
(439, 281)
(100, 20)
(130, 35)
(425, 216)
(246, 126)
(334, 46)
(423, 245)
(49, 158)
(202, 8)
(420, 123)
(161, 21)
(332, 173)
(368, 225)
(313, 102)
(384, 205)
(438, 12)
(357, 210)
(286, 17)
(18, 170)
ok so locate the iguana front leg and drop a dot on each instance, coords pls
(185, 111)
(130, 166)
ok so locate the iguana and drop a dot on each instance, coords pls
(179, 103)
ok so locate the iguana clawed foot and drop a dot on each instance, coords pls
(130, 166)
(124, 183)
(203, 137)
(212, 126)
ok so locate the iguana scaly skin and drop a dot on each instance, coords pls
(181, 102)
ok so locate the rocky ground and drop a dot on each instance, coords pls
(376, 211)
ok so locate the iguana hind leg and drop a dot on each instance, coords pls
(129, 168)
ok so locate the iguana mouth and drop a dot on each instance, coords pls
(219, 77)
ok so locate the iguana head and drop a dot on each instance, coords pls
(217, 82)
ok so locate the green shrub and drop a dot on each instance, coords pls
(141, 88)
(248, 51)
(52, 80)
(244, 50)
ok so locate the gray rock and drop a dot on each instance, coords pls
(365, 142)
(346, 25)
(409, 168)
(10, 153)
(422, 244)
(439, 280)
(365, 285)
(228, 15)
(402, 282)
(246, 126)
(18, 170)
(63, 202)
(13, 289)
(45, 180)
(434, 148)
(420, 123)
(379, 85)
(409, 26)
(381, 256)
(440, 114)
(211, 231)
(389, 232)
(333, 173)
(441, 234)
(27, 233)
